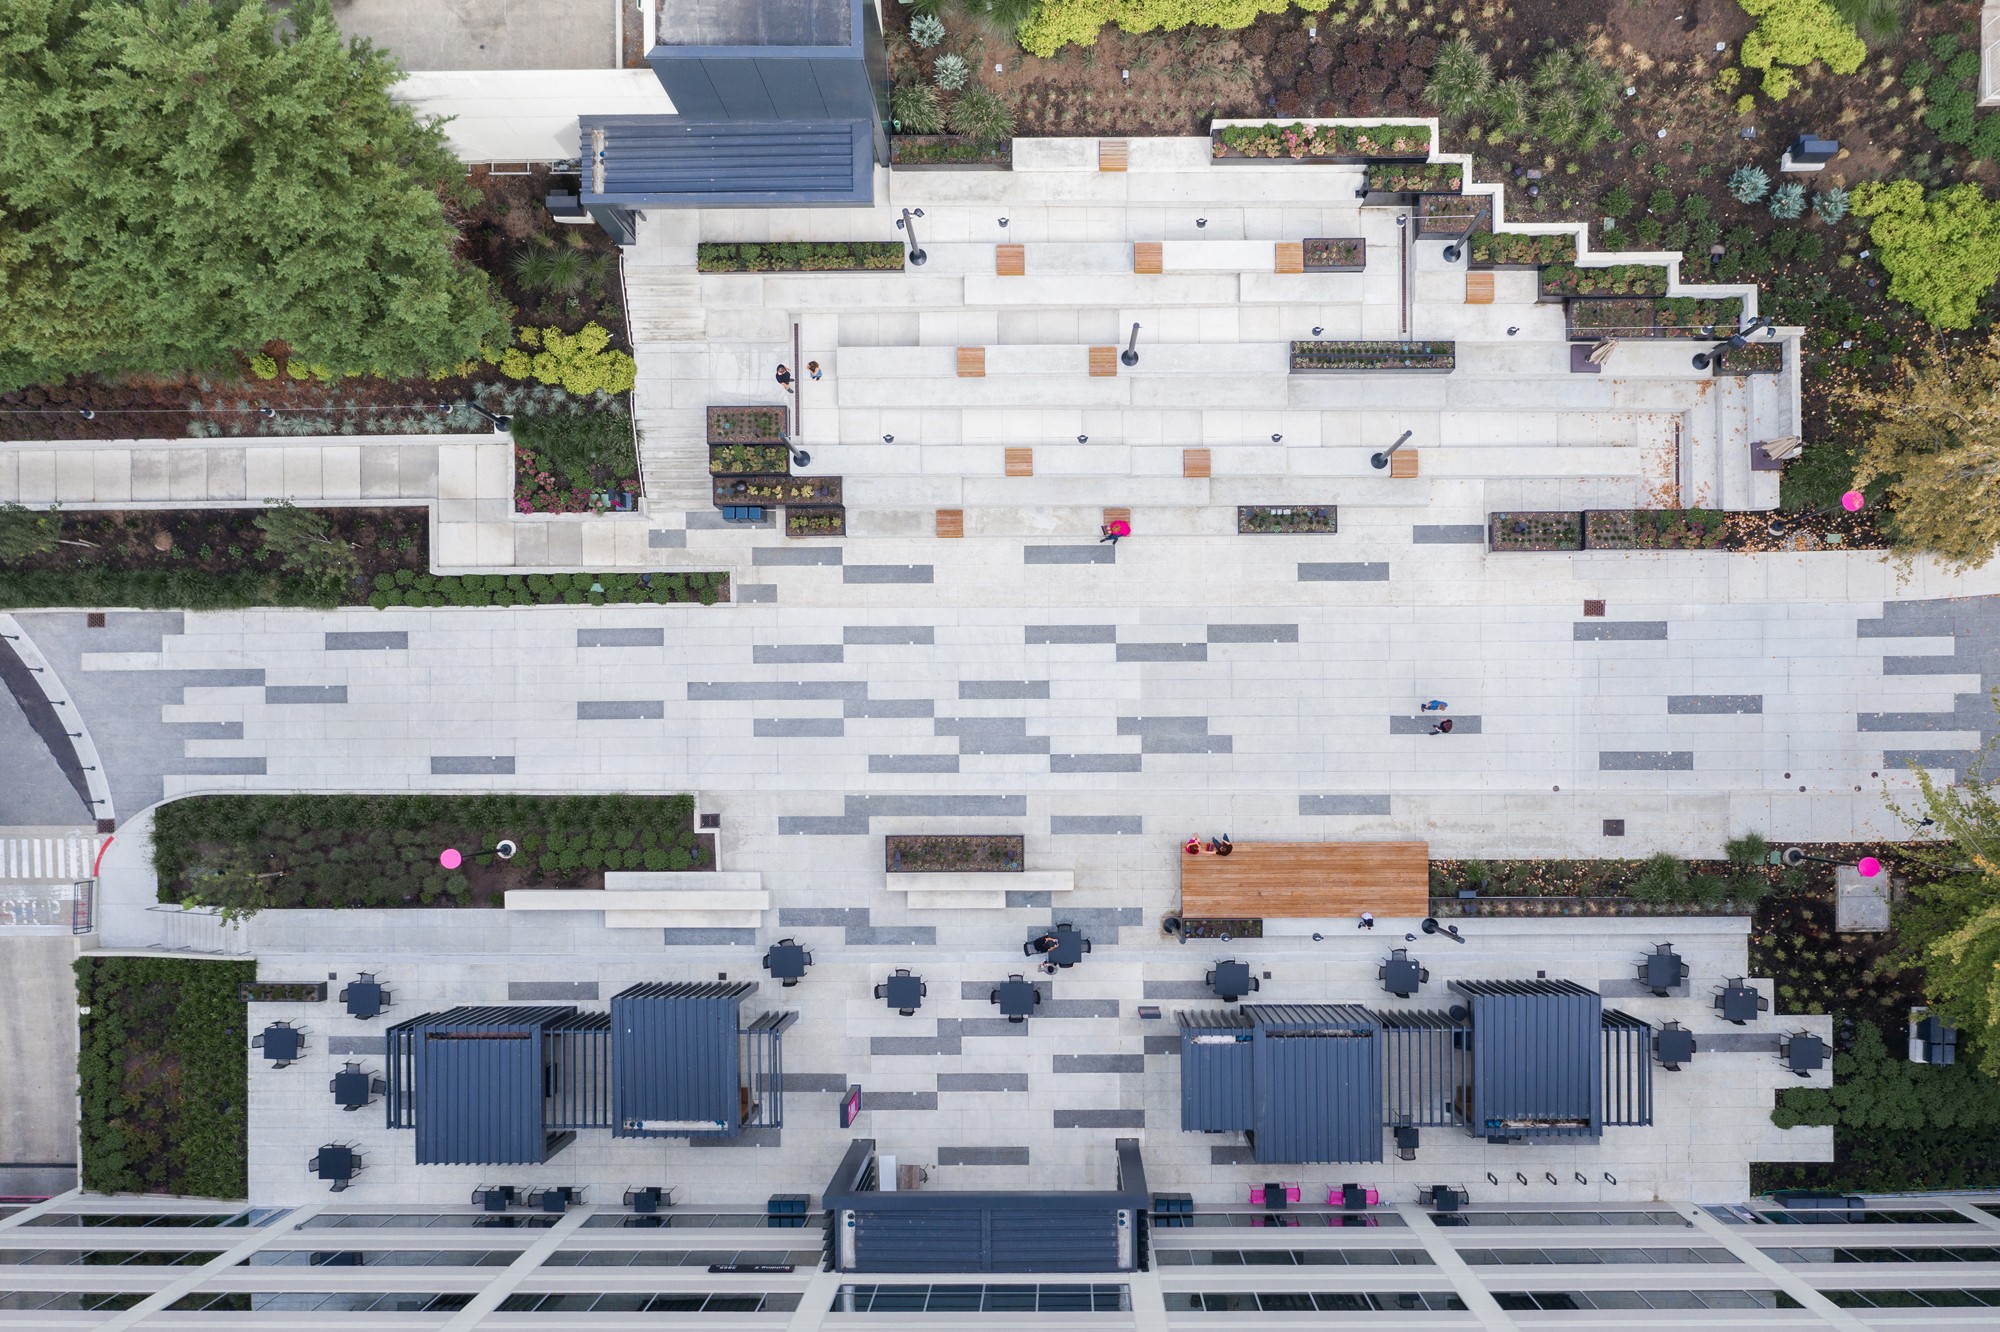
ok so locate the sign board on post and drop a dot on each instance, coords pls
(850, 1106)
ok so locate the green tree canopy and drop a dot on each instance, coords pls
(1791, 33)
(1942, 253)
(1934, 439)
(1058, 23)
(181, 181)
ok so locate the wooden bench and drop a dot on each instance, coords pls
(951, 522)
(1479, 289)
(1288, 257)
(1194, 462)
(1308, 880)
(1020, 462)
(1148, 257)
(1010, 260)
(1403, 464)
(1111, 154)
(1103, 362)
(972, 362)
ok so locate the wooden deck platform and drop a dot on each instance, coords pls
(1309, 880)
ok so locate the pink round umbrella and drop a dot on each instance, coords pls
(449, 858)
(1852, 501)
(1869, 867)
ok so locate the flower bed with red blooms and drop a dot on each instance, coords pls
(539, 488)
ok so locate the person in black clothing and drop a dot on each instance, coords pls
(785, 378)
(1048, 943)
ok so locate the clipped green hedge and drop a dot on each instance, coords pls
(405, 588)
(158, 589)
(799, 256)
(163, 1070)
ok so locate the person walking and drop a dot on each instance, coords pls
(1114, 530)
(812, 368)
(1442, 728)
(1436, 705)
(785, 379)
(1367, 921)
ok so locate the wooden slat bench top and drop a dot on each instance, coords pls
(1403, 463)
(1010, 260)
(1020, 462)
(1479, 289)
(1148, 257)
(972, 362)
(1103, 362)
(1111, 154)
(951, 522)
(1117, 516)
(1310, 880)
(1194, 462)
(1290, 257)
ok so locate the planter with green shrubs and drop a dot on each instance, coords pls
(551, 589)
(1651, 317)
(282, 992)
(1372, 357)
(749, 459)
(826, 521)
(776, 490)
(1414, 178)
(1320, 145)
(1279, 519)
(1563, 281)
(1546, 530)
(800, 257)
(1506, 250)
(749, 425)
(1335, 254)
(1655, 529)
(953, 853)
(950, 152)
(245, 854)
(1759, 358)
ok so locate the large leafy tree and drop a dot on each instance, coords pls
(1934, 440)
(184, 180)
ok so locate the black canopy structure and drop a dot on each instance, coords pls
(1303, 1080)
(504, 1084)
(938, 1230)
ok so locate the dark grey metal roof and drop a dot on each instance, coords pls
(1537, 1059)
(1218, 1071)
(756, 23)
(1318, 1083)
(478, 1075)
(1427, 1065)
(667, 160)
(676, 1061)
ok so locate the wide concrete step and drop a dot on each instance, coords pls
(674, 900)
(683, 920)
(664, 305)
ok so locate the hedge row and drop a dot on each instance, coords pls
(582, 589)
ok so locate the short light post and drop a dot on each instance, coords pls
(1792, 857)
(1130, 356)
(500, 423)
(504, 849)
(907, 223)
(1380, 460)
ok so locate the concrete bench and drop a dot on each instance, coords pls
(642, 899)
(975, 892)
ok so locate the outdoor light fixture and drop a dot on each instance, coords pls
(1381, 460)
(1792, 857)
(267, 412)
(800, 458)
(1125, 75)
(1402, 219)
(1201, 222)
(1003, 221)
(1277, 439)
(1513, 330)
(86, 413)
(1317, 330)
(888, 439)
(1083, 439)
(1130, 356)
(500, 423)
(1702, 360)
(1451, 253)
(917, 255)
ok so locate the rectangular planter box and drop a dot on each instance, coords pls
(1654, 529)
(1592, 318)
(800, 257)
(970, 853)
(1759, 358)
(282, 992)
(1569, 282)
(1336, 254)
(777, 490)
(1335, 358)
(1452, 216)
(1559, 530)
(1223, 927)
(1414, 178)
(826, 521)
(1280, 519)
(749, 460)
(749, 425)
(949, 152)
(1328, 145)
(1512, 253)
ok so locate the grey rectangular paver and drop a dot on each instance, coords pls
(1088, 825)
(1003, 688)
(982, 1156)
(1175, 989)
(621, 709)
(795, 654)
(753, 592)
(1608, 631)
(766, 1138)
(1070, 633)
(898, 1100)
(367, 640)
(938, 806)
(920, 1046)
(770, 555)
(982, 1082)
(888, 707)
(1100, 1119)
(1927, 758)
(810, 917)
(891, 936)
(708, 938)
(1705, 704)
(1228, 1154)
(1448, 534)
(1168, 1043)
(997, 1026)
(1253, 633)
(798, 728)
(1163, 652)
(621, 638)
(1068, 555)
(1028, 901)
(221, 767)
(1422, 723)
(1913, 721)
(1094, 762)
(522, 991)
(305, 693)
(815, 1082)
(754, 691)
(913, 763)
(1100, 1063)
(1344, 573)
(657, 539)
(888, 634)
(1645, 760)
(1349, 805)
(991, 735)
(251, 678)
(471, 765)
(887, 573)
(813, 825)
(1077, 1008)
(357, 1045)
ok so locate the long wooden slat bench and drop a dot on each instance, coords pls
(1308, 880)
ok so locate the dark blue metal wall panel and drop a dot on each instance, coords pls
(479, 1092)
(1537, 1059)
(1318, 1083)
(668, 160)
(983, 1233)
(1218, 1077)
(793, 89)
(675, 1060)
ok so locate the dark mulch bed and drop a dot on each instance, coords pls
(223, 541)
